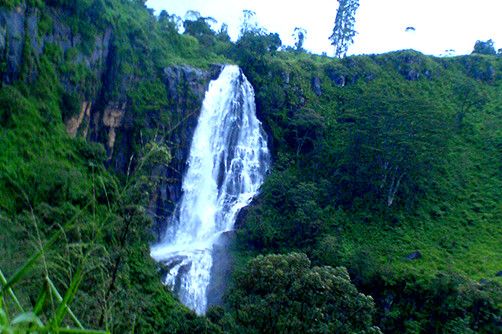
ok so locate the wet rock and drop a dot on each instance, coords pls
(412, 75)
(185, 89)
(414, 256)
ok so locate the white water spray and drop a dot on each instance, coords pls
(227, 165)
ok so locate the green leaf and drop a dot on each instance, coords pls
(79, 331)
(40, 301)
(3, 280)
(60, 299)
(25, 269)
(68, 297)
(4, 321)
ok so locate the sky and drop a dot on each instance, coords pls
(440, 25)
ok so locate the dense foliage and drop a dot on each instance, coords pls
(283, 294)
(344, 29)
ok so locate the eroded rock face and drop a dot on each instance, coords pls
(20, 27)
(101, 117)
(336, 78)
(112, 120)
(77, 122)
(12, 36)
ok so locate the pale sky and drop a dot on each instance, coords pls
(440, 24)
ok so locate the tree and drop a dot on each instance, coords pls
(249, 23)
(392, 147)
(170, 23)
(284, 294)
(192, 15)
(223, 33)
(299, 34)
(344, 32)
(484, 47)
(200, 28)
(471, 97)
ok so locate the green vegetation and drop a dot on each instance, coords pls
(87, 225)
(393, 154)
(387, 165)
(60, 187)
(282, 294)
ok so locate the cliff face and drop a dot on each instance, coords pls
(104, 111)
(185, 88)
(22, 32)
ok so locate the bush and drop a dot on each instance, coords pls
(284, 294)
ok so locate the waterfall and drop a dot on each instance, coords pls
(227, 164)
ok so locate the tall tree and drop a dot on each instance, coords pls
(249, 23)
(344, 31)
(484, 48)
(299, 34)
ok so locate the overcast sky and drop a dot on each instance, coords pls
(439, 24)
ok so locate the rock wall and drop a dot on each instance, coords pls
(105, 117)
(185, 89)
(20, 27)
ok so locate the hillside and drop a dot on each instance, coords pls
(388, 165)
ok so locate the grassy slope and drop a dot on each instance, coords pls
(459, 229)
(456, 223)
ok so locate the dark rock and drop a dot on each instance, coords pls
(21, 24)
(479, 68)
(412, 75)
(185, 89)
(215, 70)
(12, 23)
(316, 86)
(414, 256)
(336, 78)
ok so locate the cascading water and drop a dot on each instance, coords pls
(227, 165)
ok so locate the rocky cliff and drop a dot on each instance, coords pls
(99, 107)
(185, 88)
